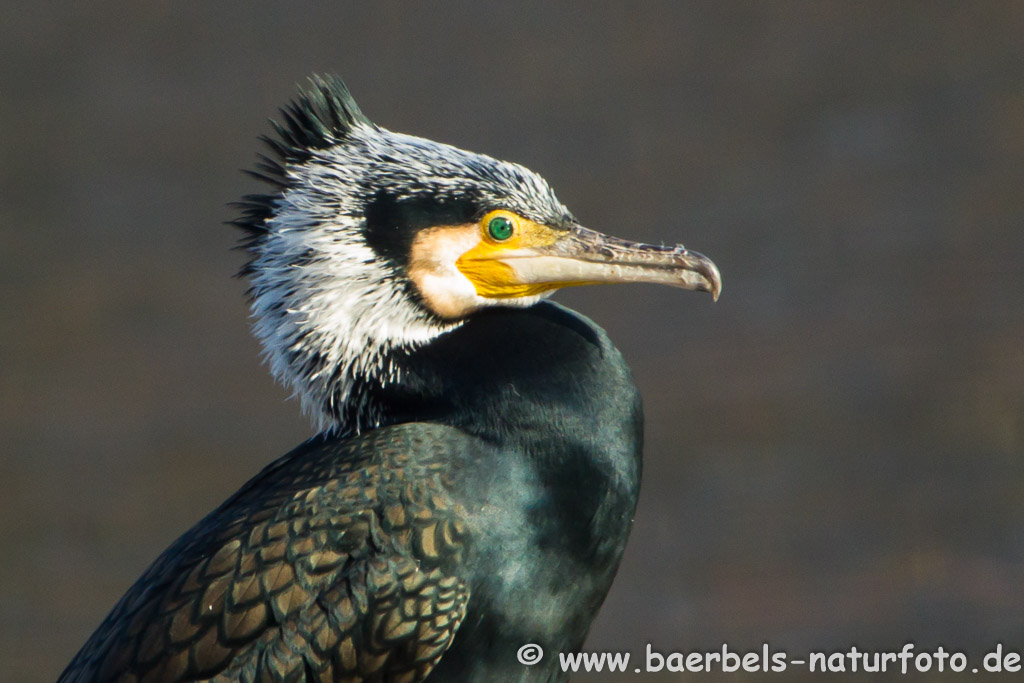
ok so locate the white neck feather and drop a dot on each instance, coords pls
(328, 311)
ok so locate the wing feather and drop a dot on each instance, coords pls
(338, 562)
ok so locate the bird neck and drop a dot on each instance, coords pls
(542, 380)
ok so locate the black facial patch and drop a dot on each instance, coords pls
(392, 221)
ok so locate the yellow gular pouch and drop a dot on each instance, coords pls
(506, 235)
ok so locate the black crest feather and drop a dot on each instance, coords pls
(319, 117)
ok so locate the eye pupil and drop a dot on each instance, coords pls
(500, 228)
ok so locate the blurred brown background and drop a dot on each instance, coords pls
(834, 450)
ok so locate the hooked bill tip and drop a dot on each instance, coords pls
(715, 278)
(706, 268)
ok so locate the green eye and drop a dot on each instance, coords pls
(500, 228)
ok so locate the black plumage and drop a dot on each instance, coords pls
(466, 485)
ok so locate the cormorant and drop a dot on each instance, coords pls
(477, 463)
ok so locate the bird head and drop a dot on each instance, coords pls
(373, 242)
